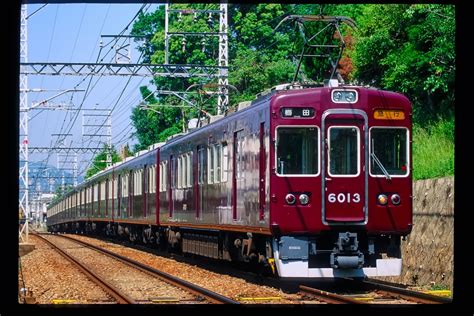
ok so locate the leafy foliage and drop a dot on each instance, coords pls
(60, 191)
(99, 161)
(409, 48)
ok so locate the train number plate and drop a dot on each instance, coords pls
(344, 197)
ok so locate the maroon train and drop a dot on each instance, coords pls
(311, 181)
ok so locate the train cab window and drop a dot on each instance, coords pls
(390, 147)
(297, 151)
(343, 151)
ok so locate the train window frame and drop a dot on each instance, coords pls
(407, 152)
(329, 152)
(318, 152)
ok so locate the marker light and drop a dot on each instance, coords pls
(304, 199)
(381, 114)
(395, 199)
(382, 199)
(290, 199)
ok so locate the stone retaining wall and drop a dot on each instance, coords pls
(427, 253)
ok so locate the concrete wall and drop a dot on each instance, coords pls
(427, 252)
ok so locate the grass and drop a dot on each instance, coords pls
(433, 150)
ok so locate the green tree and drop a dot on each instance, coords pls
(99, 161)
(409, 49)
(399, 47)
(60, 191)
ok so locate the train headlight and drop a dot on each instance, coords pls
(395, 199)
(350, 96)
(304, 199)
(344, 96)
(382, 199)
(337, 96)
(290, 199)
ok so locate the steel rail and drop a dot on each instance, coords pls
(406, 294)
(329, 297)
(118, 295)
(190, 287)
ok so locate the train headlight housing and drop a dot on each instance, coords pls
(395, 199)
(290, 199)
(382, 199)
(304, 199)
(344, 96)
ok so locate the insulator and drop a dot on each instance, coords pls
(183, 42)
(203, 43)
(209, 19)
(180, 16)
(195, 17)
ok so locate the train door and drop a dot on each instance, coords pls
(344, 175)
(238, 179)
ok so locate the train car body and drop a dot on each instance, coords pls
(313, 182)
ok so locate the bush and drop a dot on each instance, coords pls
(433, 150)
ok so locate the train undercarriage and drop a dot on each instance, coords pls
(327, 255)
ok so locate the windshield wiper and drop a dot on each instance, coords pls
(377, 161)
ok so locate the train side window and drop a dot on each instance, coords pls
(163, 176)
(343, 151)
(185, 171)
(201, 166)
(390, 146)
(217, 163)
(210, 164)
(151, 179)
(180, 172)
(161, 171)
(125, 185)
(297, 151)
(173, 172)
(225, 162)
(189, 169)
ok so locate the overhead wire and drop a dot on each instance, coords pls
(75, 117)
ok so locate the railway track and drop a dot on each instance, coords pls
(344, 291)
(200, 293)
(376, 292)
(407, 294)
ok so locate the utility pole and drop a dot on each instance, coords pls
(24, 203)
(223, 80)
(123, 52)
(97, 124)
(223, 57)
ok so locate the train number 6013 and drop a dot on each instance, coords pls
(343, 197)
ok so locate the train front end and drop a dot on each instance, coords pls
(340, 183)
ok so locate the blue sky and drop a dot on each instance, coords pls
(71, 33)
